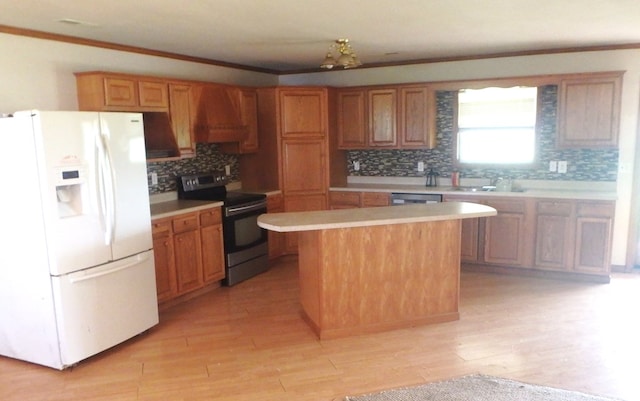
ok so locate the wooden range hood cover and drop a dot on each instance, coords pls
(219, 117)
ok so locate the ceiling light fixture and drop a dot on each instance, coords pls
(346, 59)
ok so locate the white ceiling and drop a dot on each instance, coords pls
(291, 35)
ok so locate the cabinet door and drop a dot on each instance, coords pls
(554, 235)
(469, 240)
(382, 117)
(120, 92)
(153, 94)
(593, 237)
(352, 119)
(304, 166)
(506, 237)
(589, 112)
(165, 267)
(593, 244)
(181, 113)
(417, 118)
(188, 257)
(275, 204)
(249, 115)
(212, 253)
(303, 112)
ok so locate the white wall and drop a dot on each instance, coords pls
(38, 74)
(615, 60)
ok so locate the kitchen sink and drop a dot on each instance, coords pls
(484, 188)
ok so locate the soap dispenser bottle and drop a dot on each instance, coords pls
(432, 178)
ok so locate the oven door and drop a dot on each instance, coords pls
(240, 227)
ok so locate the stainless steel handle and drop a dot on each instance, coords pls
(233, 210)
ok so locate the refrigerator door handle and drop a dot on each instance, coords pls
(136, 261)
(106, 185)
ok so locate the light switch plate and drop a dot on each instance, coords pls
(356, 166)
(420, 166)
(562, 167)
(553, 166)
(227, 169)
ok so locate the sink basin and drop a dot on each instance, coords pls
(484, 188)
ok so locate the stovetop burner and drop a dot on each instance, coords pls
(211, 186)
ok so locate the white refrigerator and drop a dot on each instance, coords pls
(76, 261)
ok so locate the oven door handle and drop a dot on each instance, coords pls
(233, 210)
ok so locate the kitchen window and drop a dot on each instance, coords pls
(496, 126)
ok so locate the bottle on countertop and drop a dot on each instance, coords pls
(455, 179)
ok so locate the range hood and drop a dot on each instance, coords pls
(219, 115)
(160, 141)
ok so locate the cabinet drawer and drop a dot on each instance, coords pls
(160, 228)
(184, 223)
(596, 209)
(555, 208)
(507, 206)
(210, 217)
(375, 199)
(345, 198)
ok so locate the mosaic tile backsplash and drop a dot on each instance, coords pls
(583, 164)
(208, 158)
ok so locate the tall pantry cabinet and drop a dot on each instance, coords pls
(294, 154)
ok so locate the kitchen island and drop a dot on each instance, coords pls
(375, 269)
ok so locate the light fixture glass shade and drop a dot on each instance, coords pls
(346, 59)
(328, 62)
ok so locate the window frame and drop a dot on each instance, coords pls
(534, 164)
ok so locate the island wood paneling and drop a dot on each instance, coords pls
(368, 279)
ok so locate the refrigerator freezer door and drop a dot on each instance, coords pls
(100, 307)
(124, 143)
(66, 148)
(27, 322)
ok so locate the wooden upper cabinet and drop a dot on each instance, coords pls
(120, 92)
(303, 112)
(153, 94)
(181, 112)
(589, 111)
(417, 122)
(103, 92)
(382, 117)
(249, 117)
(352, 119)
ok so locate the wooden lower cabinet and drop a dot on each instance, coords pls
(166, 282)
(560, 235)
(507, 236)
(353, 199)
(594, 223)
(211, 240)
(188, 252)
(275, 204)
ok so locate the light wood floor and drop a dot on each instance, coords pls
(248, 342)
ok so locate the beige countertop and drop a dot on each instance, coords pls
(179, 206)
(558, 193)
(375, 216)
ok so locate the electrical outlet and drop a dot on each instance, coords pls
(562, 167)
(227, 169)
(553, 166)
(356, 166)
(154, 178)
(420, 166)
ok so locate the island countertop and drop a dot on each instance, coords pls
(374, 216)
